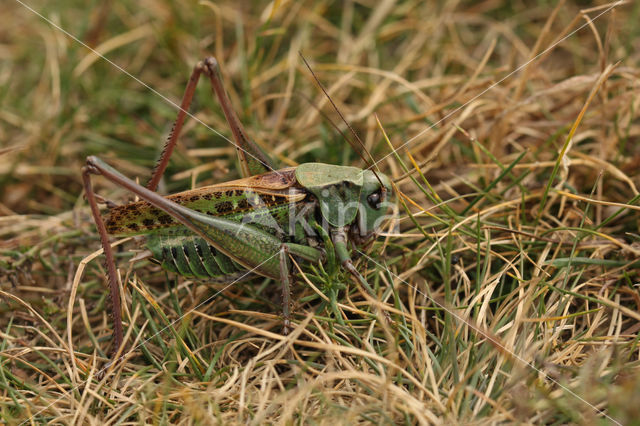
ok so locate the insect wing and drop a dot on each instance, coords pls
(244, 198)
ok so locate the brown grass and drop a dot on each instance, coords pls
(512, 279)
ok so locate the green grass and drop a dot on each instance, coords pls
(511, 278)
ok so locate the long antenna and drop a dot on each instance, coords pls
(383, 189)
(327, 118)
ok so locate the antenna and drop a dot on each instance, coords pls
(383, 189)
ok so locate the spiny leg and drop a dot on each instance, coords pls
(114, 290)
(252, 159)
(167, 150)
(208, 64)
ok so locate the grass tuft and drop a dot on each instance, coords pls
(511, 276)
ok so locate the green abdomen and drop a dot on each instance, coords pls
(179, 250)
(191, 256)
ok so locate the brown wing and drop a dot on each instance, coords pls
(266, 190)
(276, 182)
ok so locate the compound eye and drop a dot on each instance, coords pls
(374, 200)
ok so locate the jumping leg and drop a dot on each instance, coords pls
(114, 290)
(252, 159)
(167, 150)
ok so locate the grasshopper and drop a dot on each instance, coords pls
(242, 228)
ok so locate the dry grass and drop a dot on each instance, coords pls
(512, 280)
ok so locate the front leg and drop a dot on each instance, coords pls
(339, 238)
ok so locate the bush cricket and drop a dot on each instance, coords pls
(223, 231)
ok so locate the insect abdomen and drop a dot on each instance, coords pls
(190, 256)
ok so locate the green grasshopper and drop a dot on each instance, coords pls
(247, 227)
